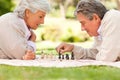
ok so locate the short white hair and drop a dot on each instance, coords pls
(32, 5)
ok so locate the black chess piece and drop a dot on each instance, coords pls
(72, 56)
(67, 57)
(59, 56)
(62, 56)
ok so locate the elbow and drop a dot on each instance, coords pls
(104, 58)
(17, 54)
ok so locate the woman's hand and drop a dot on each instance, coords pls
(30, 55)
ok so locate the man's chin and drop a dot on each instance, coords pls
(90, 35)
(34, 28)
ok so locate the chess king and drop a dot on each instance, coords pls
(103, 25)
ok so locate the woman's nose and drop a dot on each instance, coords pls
(42, 21)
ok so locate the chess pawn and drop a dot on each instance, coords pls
(47, 56)
(51, 56)
(67, 57)
(54, 57)
(62, 57)
(72, 56)
(59, 56)
(42, 56)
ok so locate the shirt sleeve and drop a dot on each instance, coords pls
(84, 53)
(31, 46)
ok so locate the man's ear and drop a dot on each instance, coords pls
(96, 17)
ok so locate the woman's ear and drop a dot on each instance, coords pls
(27, 13)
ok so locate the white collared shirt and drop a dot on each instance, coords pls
(28, 34)
(99, 32)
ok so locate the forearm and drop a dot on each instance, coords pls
(83, 53)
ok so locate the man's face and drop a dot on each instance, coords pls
(90, 26)
(33, 20)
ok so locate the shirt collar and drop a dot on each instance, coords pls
(99, 32)
(27, 31)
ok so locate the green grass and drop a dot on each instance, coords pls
(40, 73)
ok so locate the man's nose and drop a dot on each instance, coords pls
(82, 28)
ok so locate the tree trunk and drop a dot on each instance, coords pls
(118, 4)
(62, 10)
(64, 6)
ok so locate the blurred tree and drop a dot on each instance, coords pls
(110, 4)
(118, 4)
(63, 5)
(5, 6)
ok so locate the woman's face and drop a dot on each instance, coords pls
(33, 20)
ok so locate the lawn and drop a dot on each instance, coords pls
(40, 73)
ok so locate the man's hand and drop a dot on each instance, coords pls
(64, 47)
(30, 55)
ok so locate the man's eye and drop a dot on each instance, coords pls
(40, 16)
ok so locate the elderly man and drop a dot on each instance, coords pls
(103, 25)
(16, 35)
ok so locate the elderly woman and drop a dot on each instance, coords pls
(16, 35)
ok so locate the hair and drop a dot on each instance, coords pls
(89, 7)
(32, 5)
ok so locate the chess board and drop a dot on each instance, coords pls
(58, 56)
(56, 62)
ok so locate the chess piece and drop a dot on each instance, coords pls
(51, 56)
(47, 56)
(42, 56)
(67, 56)
(62, 56)
(72, 56)
(59, 56)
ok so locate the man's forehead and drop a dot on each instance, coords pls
(81, 17)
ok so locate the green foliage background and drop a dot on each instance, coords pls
(6, 6)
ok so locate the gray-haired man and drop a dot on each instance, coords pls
(103, 25)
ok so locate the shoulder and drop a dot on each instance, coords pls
(111, 17)
(13, 21)
(112, 11)
(112, 14)
(9, 17)
(5, 16)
